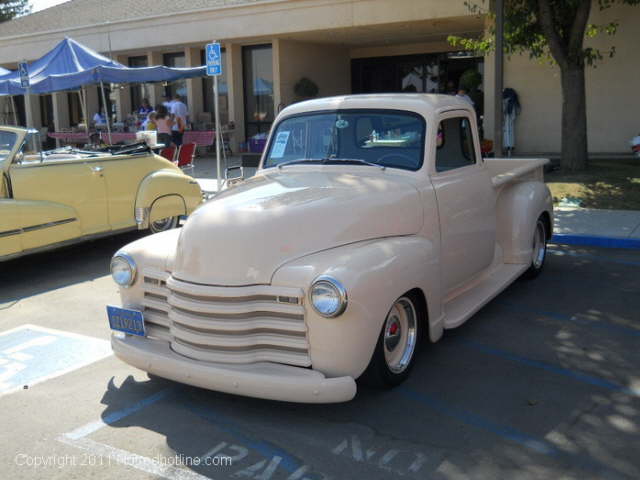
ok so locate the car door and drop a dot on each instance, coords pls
(48, 188)
(466, 200)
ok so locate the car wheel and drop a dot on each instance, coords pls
(539, 249)
(397, 345)
(163, 224)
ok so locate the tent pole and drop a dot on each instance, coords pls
(15, 112)
(104, 104)
(83, 104)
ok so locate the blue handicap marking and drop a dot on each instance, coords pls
(30, 354)
(214, 59)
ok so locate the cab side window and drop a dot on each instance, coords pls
(455, 147)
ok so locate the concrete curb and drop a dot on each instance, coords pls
(593, 241)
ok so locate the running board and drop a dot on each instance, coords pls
(461, 308)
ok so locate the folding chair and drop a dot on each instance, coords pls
(186, 154)
(169, 153)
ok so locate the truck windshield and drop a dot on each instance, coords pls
(389, 138)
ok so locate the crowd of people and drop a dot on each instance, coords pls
(169, 119)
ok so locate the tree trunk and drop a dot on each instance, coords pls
(574, 118)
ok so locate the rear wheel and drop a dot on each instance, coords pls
(539, 249)
(397, 345)
(163, 224)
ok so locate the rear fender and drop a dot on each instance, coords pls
(518, 208)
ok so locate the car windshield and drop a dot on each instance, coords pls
(388, 138)
(7, 142)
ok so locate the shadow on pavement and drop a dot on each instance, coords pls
(38, 273)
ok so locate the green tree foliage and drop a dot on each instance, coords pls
(13, 8)
(554, 30)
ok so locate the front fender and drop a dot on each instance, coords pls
(375, 273)
(167, 183)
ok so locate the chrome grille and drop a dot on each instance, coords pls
(249, 324)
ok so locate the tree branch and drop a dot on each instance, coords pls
(576, 37)
(545, 17)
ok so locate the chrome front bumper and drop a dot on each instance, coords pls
(266, 380)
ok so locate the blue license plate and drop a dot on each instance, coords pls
(126, 320)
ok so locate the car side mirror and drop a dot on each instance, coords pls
(235, 180)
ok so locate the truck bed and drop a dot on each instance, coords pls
(507, 170)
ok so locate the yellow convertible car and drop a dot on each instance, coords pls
(50, 199)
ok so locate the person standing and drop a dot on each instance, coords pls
(511, 109)
(145, 109)
(179, 115)
(163, 124)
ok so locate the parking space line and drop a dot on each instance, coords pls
(582, 377)
(600, 324)
(465, 416)
(140, 462)
(92, 427)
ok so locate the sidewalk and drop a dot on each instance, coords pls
(599, 228)
(572, 226)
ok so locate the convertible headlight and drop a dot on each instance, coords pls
(123, 269)
(328, 296)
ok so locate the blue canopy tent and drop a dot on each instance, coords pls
(72, 66)
(4, 71)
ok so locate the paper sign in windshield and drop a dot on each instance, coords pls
(280, 145)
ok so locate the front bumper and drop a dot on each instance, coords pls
(270, 381)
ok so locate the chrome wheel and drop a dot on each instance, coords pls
(539, 245)
(164, 224)
(400, 335)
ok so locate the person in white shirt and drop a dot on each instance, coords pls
(99, 119)
(179, 114)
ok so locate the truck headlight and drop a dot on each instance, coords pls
(123, 269)
(328, 296)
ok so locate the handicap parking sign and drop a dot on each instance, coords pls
(30, 354)
(24, 75)
(214, 59)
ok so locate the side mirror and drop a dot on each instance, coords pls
(236, 180)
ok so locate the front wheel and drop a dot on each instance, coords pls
(397, 345)
(163, 224)
(539, 249)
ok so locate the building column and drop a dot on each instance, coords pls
(93, 102)
(33, 102)
(277, 87)
(60, 112)
(122, 95)
(195, 97)
(156, 91)
(489, 85)
(236, 92)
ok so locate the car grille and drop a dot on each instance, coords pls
(259, 323)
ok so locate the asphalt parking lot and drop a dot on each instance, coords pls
(544, 382)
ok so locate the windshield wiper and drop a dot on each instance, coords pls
(356, 160)
(301, 160)
(326, 160)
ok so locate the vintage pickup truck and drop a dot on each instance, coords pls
(51, 199)
(372, 225)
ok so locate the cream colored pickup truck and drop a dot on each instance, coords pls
(372, 225)
(55, 198)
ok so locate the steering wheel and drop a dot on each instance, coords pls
(403, 156)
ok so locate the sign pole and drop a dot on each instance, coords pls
(15, 112)
(214, 69)
(218, 135)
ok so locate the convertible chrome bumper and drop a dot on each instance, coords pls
(266, 380)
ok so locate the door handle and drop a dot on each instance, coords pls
(97, 169)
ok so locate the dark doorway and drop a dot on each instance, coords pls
(428, 73)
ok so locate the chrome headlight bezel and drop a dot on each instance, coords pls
(131, 264)
(337, 288)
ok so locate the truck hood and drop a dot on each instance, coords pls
(244, 234)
